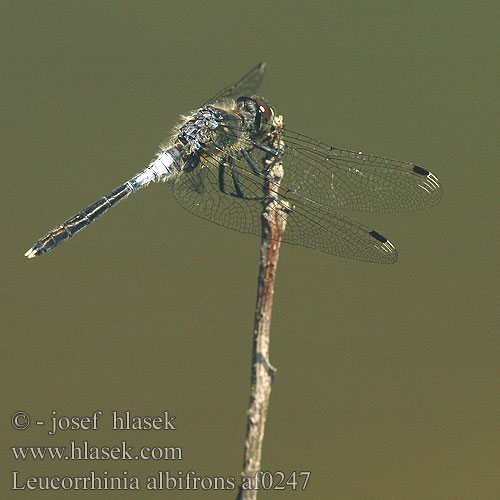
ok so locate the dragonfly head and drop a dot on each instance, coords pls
(258, 112)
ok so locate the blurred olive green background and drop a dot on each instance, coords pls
(388, 376)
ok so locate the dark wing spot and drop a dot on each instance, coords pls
(378, 236)
(420, 171)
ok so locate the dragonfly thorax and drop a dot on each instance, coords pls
(197, 132)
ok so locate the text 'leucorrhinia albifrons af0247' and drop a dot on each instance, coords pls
(218, 160)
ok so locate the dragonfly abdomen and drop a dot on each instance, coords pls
(165, 165)
(79, 221)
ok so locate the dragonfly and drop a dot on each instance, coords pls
(218, 160)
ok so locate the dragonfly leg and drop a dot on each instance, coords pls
(251, 162)
(222, 168)
(277, 153)
(236, 181)
(266, 149)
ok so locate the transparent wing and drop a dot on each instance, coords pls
(355, 181)
(308, 224)
(210, 203)
(247, 85)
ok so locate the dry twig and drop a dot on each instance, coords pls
(273, 225)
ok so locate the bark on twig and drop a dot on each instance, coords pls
(273, 225)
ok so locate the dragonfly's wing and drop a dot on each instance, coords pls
(196, 181)
(246, 86)
(211, 204)
(355, 181)
(308, 224)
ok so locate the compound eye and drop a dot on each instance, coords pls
(265, 116)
